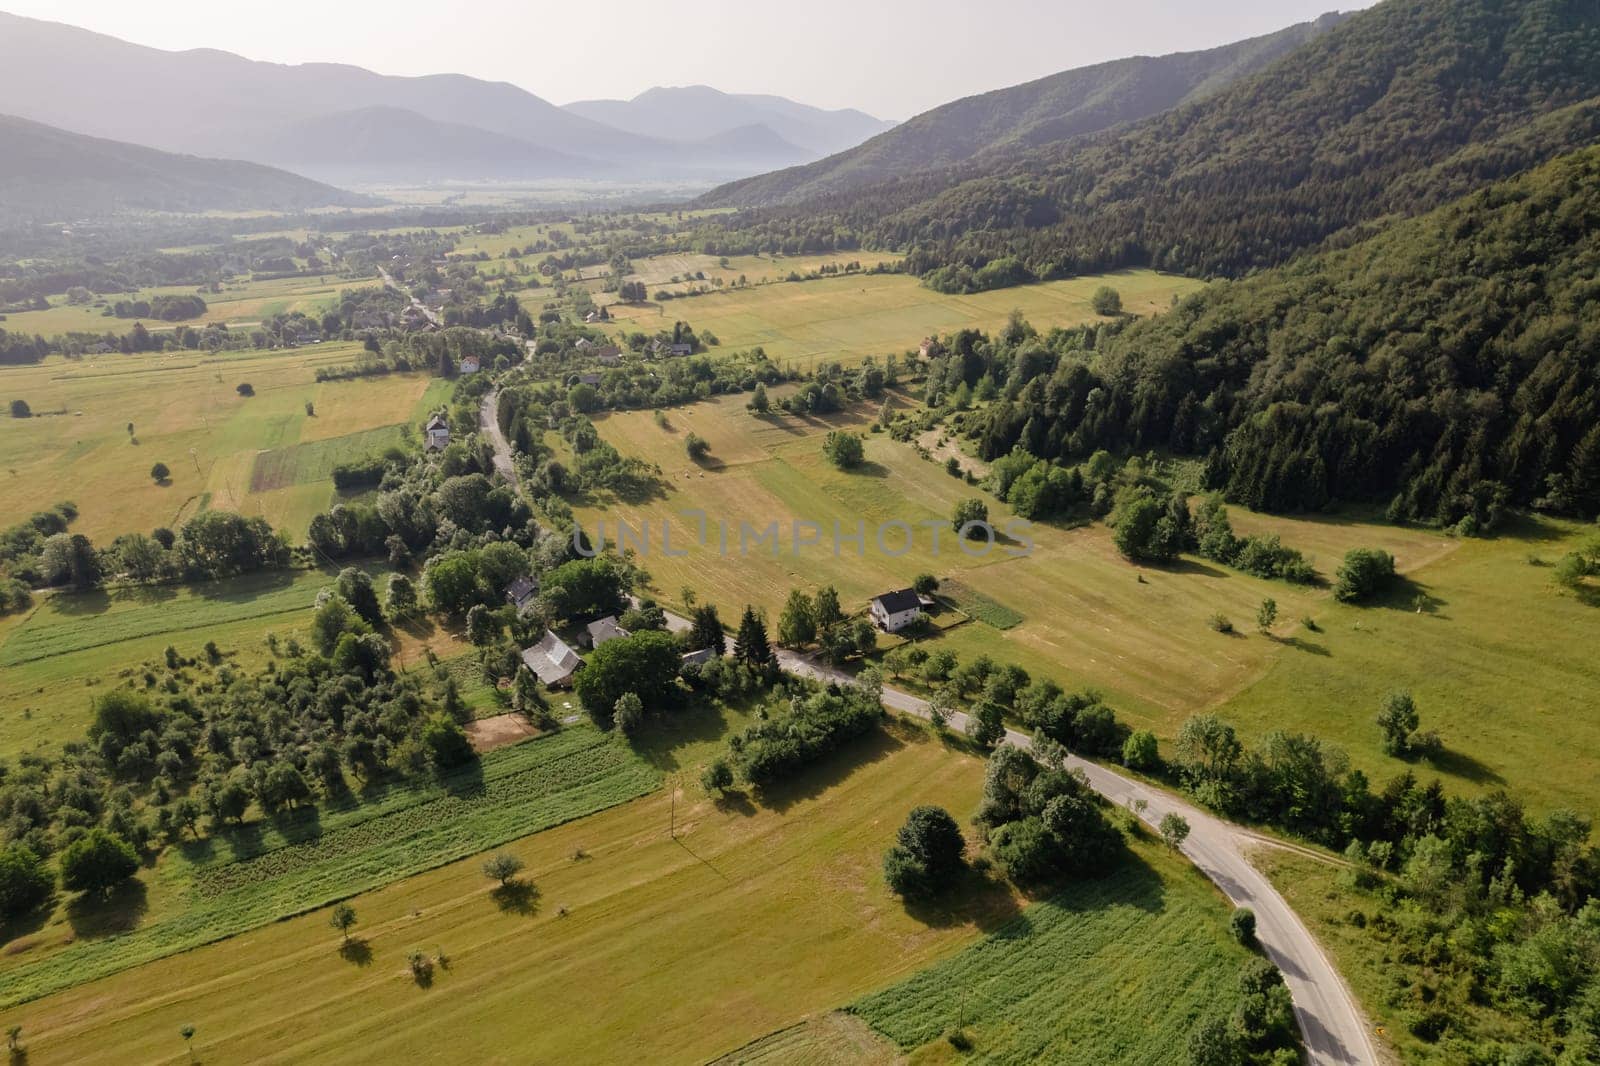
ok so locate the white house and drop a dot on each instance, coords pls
(552, 661)
(893, 611)
(470, 365)
(437, 432)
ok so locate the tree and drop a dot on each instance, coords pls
(445, 742)
(706, 630)
(758, 400)
(333, 619)
(827, 613)
(970, 518)
(1266, 614)
(402, 597)
(97, 862)
(645, 664)
(356, 588)
(342, 917)
(1213, 1043)
(187, 1032)
(1139, 751)
(503, 867)
(751, 646)
(1242, 924)
(453, 582)
(718, 776)
(24, 881)
(245, 389)
(843, 449)
(20, 409)
(797, 625)
(986, 724)
(1174, 829)
(926, 855)
(926, 584)
(1398, 720)
(159, 472)
(1106, 301)
(1364, 573)
(628, 713)
(697, 447)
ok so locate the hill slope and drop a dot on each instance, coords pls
(217, 103)
(1445, 366)
(1050, 109)
(377, 143)
(701, 113)
(53, 174)
(1393, 111)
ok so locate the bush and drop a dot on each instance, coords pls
(1242, 924)
(159, 472)
(245, 389)
(1364, 573)
(844, 450)
(97, 862)
(447, 745)
(718, 776)
(1140, 752)
(927, 854)
(20, 409)
(1220, 622)
(24, 881)
(1106, 301)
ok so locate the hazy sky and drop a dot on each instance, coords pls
(893, 58)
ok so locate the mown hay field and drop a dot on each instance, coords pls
(848, 318)
(186, 412)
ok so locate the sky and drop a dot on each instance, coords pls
(892, 58)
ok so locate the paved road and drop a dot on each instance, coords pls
(1335, 1031)
(490, 425)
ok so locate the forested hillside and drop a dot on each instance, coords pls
(1392, 112)
(51, 173)
(1447, 367)
(1074, 102)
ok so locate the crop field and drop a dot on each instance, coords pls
(848, 318)
(1087, 617)
(665, 931)
(242, 302)
(225, 885)
(314, 460)
(1118, 969)
(185, 411)
(1509, 676)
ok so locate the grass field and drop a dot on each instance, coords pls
(1119, 969)
(186, 412)
(640, 950)
(848, 318)
(219, 887)
(1087, 618)
(242, 302)
(1500, 662)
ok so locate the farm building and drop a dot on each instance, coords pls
(552, 661)
(604, 629)
(893, 611)
(697, 657)
(610, 355)
(437, 434)
(680, 349)
(522, 592)
(470, 365)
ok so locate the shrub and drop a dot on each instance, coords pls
(1364, 573)
(1106, 301)
(1220, 622)
(159, 472)
(844, 450)
(1140, 752)
(245, 389)
(1242, 924)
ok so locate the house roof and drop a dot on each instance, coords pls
(521, 589)
(551, 660)
(898, 600)
(437, 422)
(604, 629)
(699, 655)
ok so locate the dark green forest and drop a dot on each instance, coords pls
(1447, 366)
(1395, 111)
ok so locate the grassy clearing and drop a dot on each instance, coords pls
(1114, 970)
(1500, 662)
(243, 302)
(186, 412)
(990, 612)
(219, 887)
(313, 461)
(1090, 616)
(664, 931)
(847, 318)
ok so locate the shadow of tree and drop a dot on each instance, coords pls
(356, 950)
(829, 771)
(92, 915)
(516, 897)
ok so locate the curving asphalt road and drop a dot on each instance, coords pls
(1335, 1031)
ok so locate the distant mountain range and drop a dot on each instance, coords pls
(50, 173)
(1083, 100)
(701, 113)
(353, 125)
